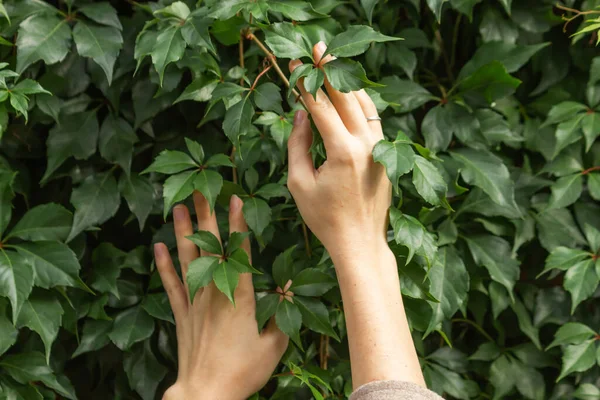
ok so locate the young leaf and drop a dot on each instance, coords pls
(286, 41)
(237, 120)
(267, 97)
(209, 183)
(226, 279)
(312, 282)
(257, 214)
(289, 320)
(171, 162)
(177, 188)
(206, 241)
(398, 158)
(409, 232)
(572, 333)
(313, 81)
(429, 183)
(300, 72)
(169, 48)
(581, 280)
(315, 316)
(266, 307)
(200, 273)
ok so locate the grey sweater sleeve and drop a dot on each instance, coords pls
(393, 390)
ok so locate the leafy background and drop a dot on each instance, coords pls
(490, 109)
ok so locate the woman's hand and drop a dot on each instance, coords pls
(348, 197)
(345, 203)
(222, 355)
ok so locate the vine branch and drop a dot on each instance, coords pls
(273, 61)
(587, 171)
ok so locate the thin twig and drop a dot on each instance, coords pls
(438, 37)
(455, 40)
(241, 51)
(578, 13)
(235, 177)
(264, 71)
(474, 325)
(587, 171)
(273, 61)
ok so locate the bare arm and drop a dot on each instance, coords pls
(345, 203)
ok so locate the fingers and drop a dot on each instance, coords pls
(186, 249)
(238, 224)
(275, 338)
(207, 221)
(369, 110)
(346, 104)
(301, 170)
(171, 282)
(324, 114)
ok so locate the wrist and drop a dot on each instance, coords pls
(181, 391)
(366, 255)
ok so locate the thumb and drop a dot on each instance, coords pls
(300, 166)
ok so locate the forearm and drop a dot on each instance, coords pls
(381, 346)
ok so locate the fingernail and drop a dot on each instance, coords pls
(293, 65)
(235, 203)
(321, 45)
(158, 250)
(179, 213)
(299, 117)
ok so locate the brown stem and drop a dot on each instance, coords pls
(587, 171)
(241, 51)
(306, 241)
(264, 71)
(235, 177)
(273, 62)
(578, 13)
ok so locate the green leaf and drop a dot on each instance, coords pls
(171, 162)
(266, 307)
(157, 305)
(568, 132)
(257, 214)
(209, 183)
(485, 170)
(42, 37)
(267, 97)
(76, 136)
(131, 326)
(294, 9)
(313, 81)
(449, 284)
(100, 43)
(29, 86)
(513, 57)
(405, 94)
(594, 185)
(563, 258)
(169, 48)
(289, 320)
(581, 280)
(429, 183)
(102, 13)
(557, 228)
(195, 33)
(315, 315)
(8, 333)
(436, 6)
(566, 191)
(49, 221)
(235, 241)
(587, 391)
(590, 124)
(286, 41)
(492, 81)
(572, 333)
(525, 323)
(95, 200)
(493, 253)
(16, 280)
(143, 370)
(54, 264)
(177, 188)
(400, 55)
(435, 129)
(346, 75)
(369, 6)
(578, 358)
(284, 267)
(139, 193)
(312, 282)
(94, 336)
(116, 142)
(238, 120)
(200, 273)
(354, 41)
(409, 232)
(42, 313)
(300, 72)
(507, 5)
(226, 279)
(564, 111)
(398, 158)
(206, 241)
(201, 89)
(219, 160)
(271, 190)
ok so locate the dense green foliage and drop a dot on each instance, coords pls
(492, 114)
